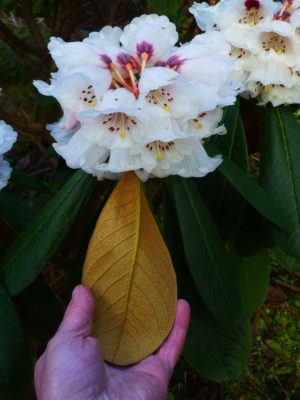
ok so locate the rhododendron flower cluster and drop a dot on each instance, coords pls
(134, 101)
(265, 42)
(7, 138)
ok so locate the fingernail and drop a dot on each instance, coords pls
(76, 292)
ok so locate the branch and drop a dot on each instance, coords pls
(13, 41)
(19, 125)
(32, 25)
(71, 18)
(18, 46)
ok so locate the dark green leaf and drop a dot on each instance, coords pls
(27, 256)
(290, 263)
(11, 337)
(217, 349)
(14, 211)
(270, 208)
(280, 166)
(233, 145)
(205, 252)
(252, 234)
(166, 7)
(253, 276)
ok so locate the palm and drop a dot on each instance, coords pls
(72, 367)
(147, 380)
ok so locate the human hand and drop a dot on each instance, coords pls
(72, 367)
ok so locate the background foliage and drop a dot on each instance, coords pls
(234, 236)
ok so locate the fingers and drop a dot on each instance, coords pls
(172, 347)
(78, 318)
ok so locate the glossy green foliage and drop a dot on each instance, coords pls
(253, 276)
(204, 251)
(26, 258)
(217, 346)
(224, 201)
(269, 207)
(280, 163)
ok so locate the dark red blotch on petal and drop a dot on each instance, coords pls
(124, 58)
(106, 59)
(144, 47)
(173, 62)
(252, 4)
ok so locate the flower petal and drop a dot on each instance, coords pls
(67, 55)
(157, 31)
(156, 77)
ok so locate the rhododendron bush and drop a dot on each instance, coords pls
(156, 157)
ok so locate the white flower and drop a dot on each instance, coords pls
(184, 157)
(233, 13)
(279, 95)
(265, 42)
(80, 88)
(205, 124)
(7, 138)
(133, 100)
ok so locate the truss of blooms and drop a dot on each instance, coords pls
(134, 101)
(265, 42)
(7, 138)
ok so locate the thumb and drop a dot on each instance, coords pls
(78, 318)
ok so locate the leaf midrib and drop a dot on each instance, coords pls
(233, 136)
(288, 159)
(41, 225)
(203, 236)
(132, 268)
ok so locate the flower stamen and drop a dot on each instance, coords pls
(133, 79)
(196, 121)
(252, 16)
(196, 124)
(275, 42)
(144, 58)
(118, 123)
(122, 134)
(161, 97)
(159, 156)
(159, 147)
(119, 78)
(286, 4)
(237, 52)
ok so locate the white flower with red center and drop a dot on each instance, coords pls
(233, 13)
(133, 100)
(265, 42)
(7, 138)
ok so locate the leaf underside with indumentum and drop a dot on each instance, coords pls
(130, 272)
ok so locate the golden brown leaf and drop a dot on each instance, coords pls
(130, 272)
